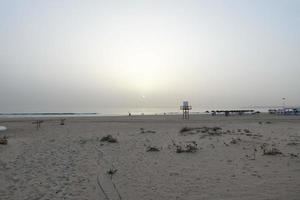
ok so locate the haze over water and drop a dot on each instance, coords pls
(93, 56)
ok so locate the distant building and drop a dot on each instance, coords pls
(285, 111)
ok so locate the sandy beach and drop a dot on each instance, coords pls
(71, 162)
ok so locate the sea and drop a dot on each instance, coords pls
(127, 111)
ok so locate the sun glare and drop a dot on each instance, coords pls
(144, 78)
(143, 73)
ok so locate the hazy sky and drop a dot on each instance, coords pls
(60, 55)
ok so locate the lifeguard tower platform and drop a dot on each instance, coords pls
(185, 110)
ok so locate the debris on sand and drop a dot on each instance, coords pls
(209, 130)
(3, 140)
(152, 148)
(216, 128)
(246, 130)
(109, 138)
(62, 121)
(263, 146)
(268, 122)
(253, 155)
(111, 171)
(293, 143)
(214, 131)
(189, 148)
(271, 152)
(82, 141)
(235, 140)
(186, 129)
(149, 131)
(146, 131)
(294, 155)
(254, 135)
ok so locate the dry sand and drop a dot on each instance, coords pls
(70, 161)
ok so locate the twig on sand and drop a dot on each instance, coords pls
(146, 131)
(152, 148)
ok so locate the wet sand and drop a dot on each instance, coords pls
(70, 161)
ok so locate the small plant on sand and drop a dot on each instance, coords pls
(216, 128)
(294, 155)
(111, 172)
(189, 148)
(208, 130)
(109, 138)
(3, 140)
(271, 152)
(235, 140)
(215, 131)
(246, 130)
(152, 148)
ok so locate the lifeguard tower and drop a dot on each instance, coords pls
(185, 110)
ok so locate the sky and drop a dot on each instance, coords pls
(84, 56)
